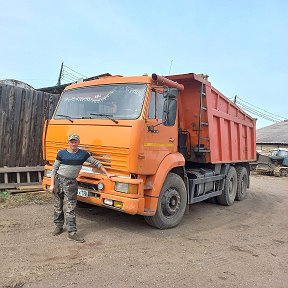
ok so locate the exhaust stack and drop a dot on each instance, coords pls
(164, 81)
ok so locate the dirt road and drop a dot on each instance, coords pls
(245, 245)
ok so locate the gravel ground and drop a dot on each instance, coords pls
(244, 245)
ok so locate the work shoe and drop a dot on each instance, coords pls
(57, 231)
(75, 237)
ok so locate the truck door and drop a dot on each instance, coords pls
(159, 140)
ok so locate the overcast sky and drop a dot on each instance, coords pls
(241, 45)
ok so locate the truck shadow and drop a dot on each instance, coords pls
(201, 216)
(97, 219)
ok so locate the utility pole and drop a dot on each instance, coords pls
(60, 74)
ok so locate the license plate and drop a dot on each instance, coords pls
(82, 193)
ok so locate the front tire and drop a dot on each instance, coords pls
(230, 188)
(171, 203)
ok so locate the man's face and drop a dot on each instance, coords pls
(73, 144)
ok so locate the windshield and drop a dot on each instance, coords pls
(122, 101)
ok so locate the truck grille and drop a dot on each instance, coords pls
(87, 186)
(115, 158)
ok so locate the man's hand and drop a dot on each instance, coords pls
(106, 173)
(51, 188)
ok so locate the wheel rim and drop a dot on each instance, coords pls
(170, 203)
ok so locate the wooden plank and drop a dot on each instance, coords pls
(17, 128)
(14, 185)
(37, 133)
(25, 187)
(32, 133)
(2, 122)
(28, 177)
(20, 133)
(18, 177)
(9, 124)
(21, 169)
(26, 129)
(11, 149)
(16, 191)
(5, 178)
(4, 132)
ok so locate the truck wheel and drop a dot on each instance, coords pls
(171, 203)
(242, 183)
(230, 188)
(283, 172)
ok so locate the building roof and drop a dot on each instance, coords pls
(273, 134)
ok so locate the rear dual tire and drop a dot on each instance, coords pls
(230, 188)
(242, 183)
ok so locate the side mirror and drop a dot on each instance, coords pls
(170, 107)
(169, 112)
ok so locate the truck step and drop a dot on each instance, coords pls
(201, 150)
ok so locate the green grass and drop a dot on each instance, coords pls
(3, 196)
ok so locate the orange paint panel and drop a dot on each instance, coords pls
(169, 162)
(98, 134)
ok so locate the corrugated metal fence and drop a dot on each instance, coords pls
(22, 116)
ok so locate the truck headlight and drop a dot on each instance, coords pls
(100, 186)
(48, 173)
(126, 188)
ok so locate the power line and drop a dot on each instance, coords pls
(75, 71)
(68, 74)
(257, 107)
(256, 110)
(276, 118)
(67, 78)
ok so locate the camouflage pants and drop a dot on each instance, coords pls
(65, 194)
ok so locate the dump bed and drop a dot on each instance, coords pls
(217, 129)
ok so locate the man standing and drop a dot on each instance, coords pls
(64, 185)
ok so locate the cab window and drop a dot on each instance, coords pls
(156, 105)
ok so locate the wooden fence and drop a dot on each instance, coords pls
(22, 116)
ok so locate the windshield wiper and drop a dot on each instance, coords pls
(65, 116)
(109, 116)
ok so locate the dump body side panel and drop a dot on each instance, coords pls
(230, 134)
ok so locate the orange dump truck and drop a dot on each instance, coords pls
(171, 141)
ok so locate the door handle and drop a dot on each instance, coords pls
(171, 139)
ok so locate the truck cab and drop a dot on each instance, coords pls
(113, 116)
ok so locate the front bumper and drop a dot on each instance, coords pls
(127, 203)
